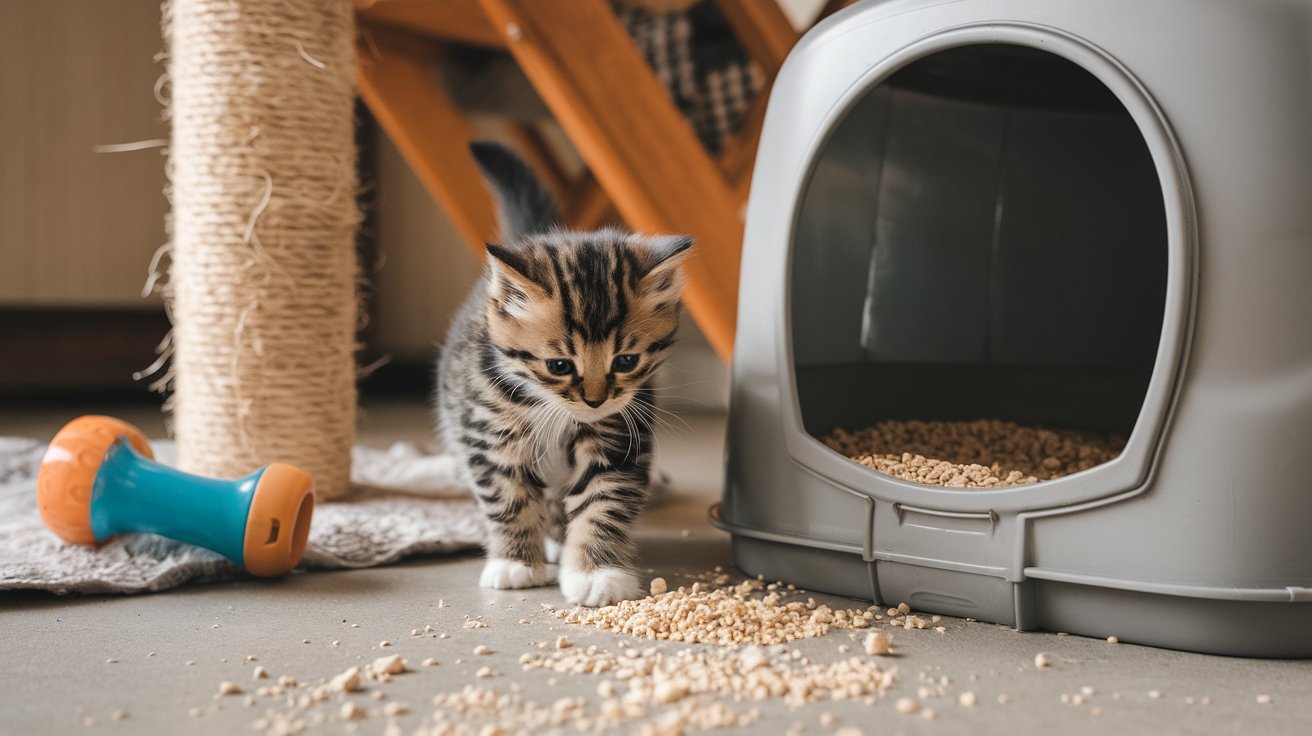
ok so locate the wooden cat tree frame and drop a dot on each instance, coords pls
(642, 156)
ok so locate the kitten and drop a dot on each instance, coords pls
(543, 389)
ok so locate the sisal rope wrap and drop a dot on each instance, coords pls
(262, 289)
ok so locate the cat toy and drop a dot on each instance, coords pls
(99, 479)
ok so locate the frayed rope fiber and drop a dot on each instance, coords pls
(262, 289)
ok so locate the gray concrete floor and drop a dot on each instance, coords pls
(172, 649)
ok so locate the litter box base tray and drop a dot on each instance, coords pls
(1265, 629)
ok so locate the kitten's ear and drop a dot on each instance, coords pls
(511, 267)
(664, 255)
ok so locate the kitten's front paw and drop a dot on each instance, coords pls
(503, 574)
(600, 587)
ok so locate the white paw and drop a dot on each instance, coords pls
(504, 574)
(553, 550)
(600, 587)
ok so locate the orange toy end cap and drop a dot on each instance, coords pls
(278, 524)
(68, 472)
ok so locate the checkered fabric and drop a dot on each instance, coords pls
(696, 56)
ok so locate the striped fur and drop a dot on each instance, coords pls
(559, 460)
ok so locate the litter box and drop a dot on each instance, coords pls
(1062, 213)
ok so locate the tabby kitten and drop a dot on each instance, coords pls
(543, 389)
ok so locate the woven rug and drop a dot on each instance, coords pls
(404, 503)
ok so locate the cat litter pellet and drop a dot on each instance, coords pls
(351, 712)
(877, 644)
(390, 665)
(980, 454)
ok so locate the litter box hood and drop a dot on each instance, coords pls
(1081, 215)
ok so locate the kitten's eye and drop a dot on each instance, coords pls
(624, 363)
(559, 367)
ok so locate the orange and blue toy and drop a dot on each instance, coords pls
(99, 479)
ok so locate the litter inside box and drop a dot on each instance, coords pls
(986, 453)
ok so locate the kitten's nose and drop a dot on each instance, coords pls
(595, 404)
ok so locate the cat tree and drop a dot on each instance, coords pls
(262, 287)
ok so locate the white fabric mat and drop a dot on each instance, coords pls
(405, 503)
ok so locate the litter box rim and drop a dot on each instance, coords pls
(1128, 475)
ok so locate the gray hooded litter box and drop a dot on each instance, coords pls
(1090, 215)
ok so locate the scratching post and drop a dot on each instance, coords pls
(262, 286)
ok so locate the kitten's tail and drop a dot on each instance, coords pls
(524, 206)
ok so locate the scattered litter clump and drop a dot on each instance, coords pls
(259, 673)
(228, 688)
(736, 614)
(351, 712)
(346, 682)
(1264, 699)
(461, 713)
(907, 706)
(877, 643)
(389, 665)
(659, 586)
(751, 673)
(1042, 660)
(985, 453)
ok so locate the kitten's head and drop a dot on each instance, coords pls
(582, 320)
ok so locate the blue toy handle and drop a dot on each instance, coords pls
(135, 494)
(99, 479)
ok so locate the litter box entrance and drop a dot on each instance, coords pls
(983, 236)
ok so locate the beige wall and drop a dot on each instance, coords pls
(78, 227)
(426, 269)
